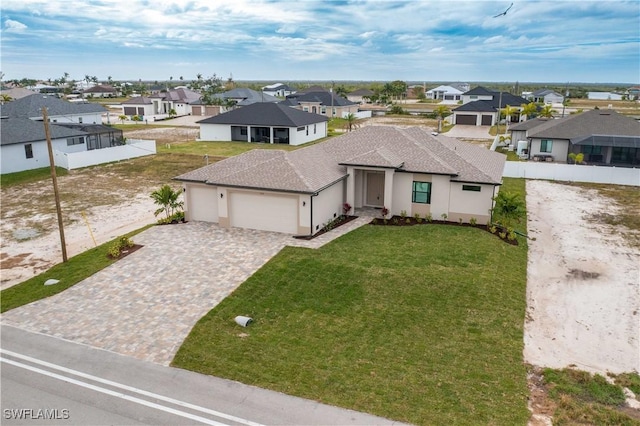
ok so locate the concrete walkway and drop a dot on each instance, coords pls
(145, 304)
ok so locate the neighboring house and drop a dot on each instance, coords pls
(448, 94)
(545, 96)
(200, 108)
(320, 101)
(633, 93)
(297, 192)
(58, 110)
(100, 91)
(138, 105)
(481, 107)
(177, 100)
(24, 144)
(244, 96)
(360, 96)
(17, 93)
(603, 136)
(604, 96)
(278, 89)
(264, 122)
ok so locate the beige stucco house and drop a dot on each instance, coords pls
(403, 169)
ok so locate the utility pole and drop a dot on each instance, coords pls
(45, 119)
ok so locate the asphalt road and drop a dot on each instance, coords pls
(47, 381)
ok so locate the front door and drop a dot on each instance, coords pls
(375, 189)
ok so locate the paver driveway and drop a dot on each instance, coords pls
(145, 304)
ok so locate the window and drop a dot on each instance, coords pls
(28, 150)
(323, 110)
(80, 120)
(305, 108)
(421, 192)
(307, 130)
(75, 141)
(475, 188)
(590, 149)
(301, 129)
(314, 129)
(546, 145)
(243, 131)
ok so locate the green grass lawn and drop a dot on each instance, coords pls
(70, 273)
(420, 324)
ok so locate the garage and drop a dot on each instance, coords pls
(487, 120)
(264, 211)
(202, 203)
(466, 119)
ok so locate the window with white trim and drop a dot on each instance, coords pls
(546, 145)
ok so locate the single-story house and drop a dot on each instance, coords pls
(323, 102)
(406, 170)
(244, 96)
(16, 93)
(360, 96)
(176, 99)
(100, 91)
(58, 110)
(278, 89)
(265, 122)
(139, 105)
(481, 107)
(23, 142)
(545, 96)
(602, 135)
(445, 93)
(604, 96)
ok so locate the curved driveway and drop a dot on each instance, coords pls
(145, 304)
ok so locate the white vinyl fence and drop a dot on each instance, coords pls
(572, 172)
(133, 149)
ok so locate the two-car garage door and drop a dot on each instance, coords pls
(268, 212)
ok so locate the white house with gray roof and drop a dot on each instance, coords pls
(264, 122)
(603, 136)
(297, 192)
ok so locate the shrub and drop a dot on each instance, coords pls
(384, 212)
(473, 221)
(460, 221)
(407, 221)
(417, 217)
(428, 217)
(121, 244)
(395, 221)
(403, 214)
(502, 234)
(493, 229)
(444, 216)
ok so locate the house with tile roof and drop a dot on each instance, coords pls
(320, 101)
(604, 136)
(447, 94)
(481, 107)
(100, 91)
(243, 96)
(58, 110)
(545, 96)
(297, 192)
(265, 122)
(360, 96)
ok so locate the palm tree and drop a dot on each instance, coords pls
(351, 122)
(167, 198)
(547, 111)
(5, 98)
(528, 110)
(508, 111)
(122, 118)
(441, 112)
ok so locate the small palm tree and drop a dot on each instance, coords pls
(167, 198)
(441, 112)
(529, 110)
(547, 111)
(122, 118)
(351, 122)
(508, 111)
(172, 113)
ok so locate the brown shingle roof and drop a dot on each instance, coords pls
(311, 169)
(594, 122)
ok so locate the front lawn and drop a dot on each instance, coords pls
(419, 324)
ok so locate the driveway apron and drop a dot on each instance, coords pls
(145, 304)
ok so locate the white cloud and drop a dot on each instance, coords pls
(287, 29)
(12, 26)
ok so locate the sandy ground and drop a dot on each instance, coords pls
(28, 257)
(583, 284)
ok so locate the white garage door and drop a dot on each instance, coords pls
(202, 203)
(266, 212)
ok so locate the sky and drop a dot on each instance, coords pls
(309, 40)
